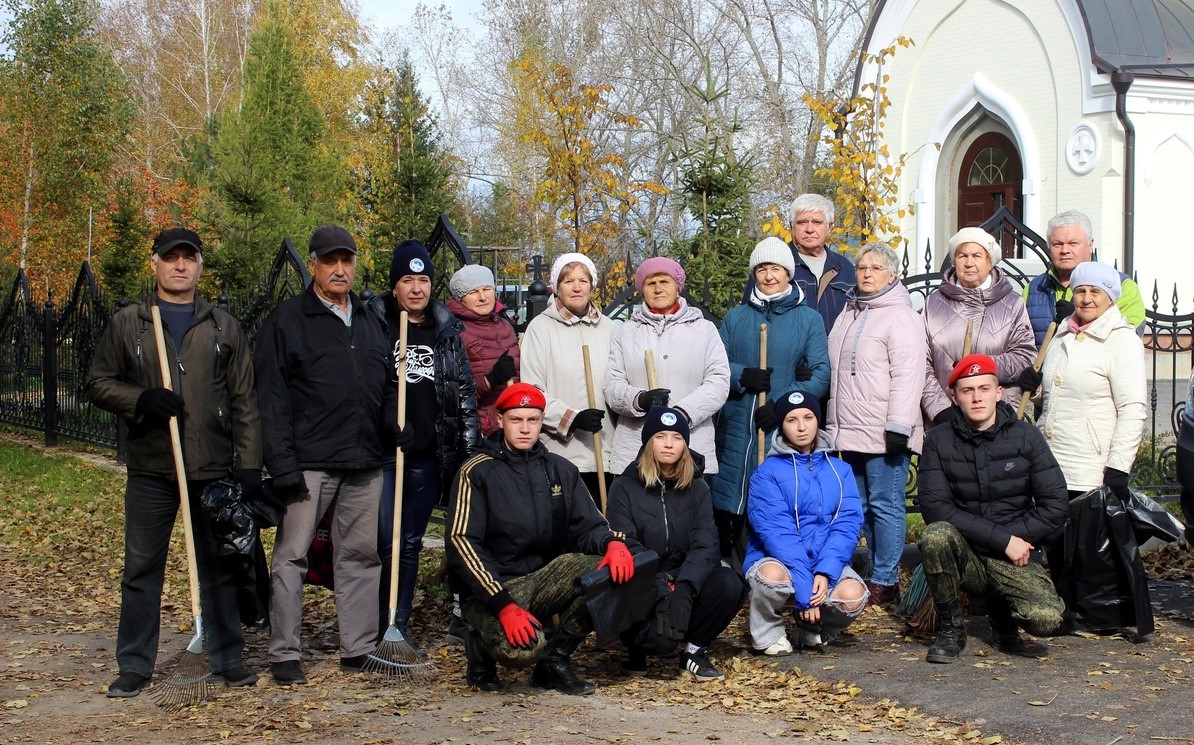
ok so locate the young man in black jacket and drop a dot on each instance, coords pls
(521, 528)
(991, 494)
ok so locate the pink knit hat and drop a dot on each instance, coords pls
(659, 265)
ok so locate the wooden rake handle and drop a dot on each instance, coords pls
(399, 463)
(762, 396)
(1025, 396)
(597, 457)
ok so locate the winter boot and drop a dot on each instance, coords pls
(1004, 632)
(482, 668)
(951, 639)
(554, 668)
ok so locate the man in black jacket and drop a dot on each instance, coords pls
(522, 528)
(323, 371)
(991, 493)
(216, 406)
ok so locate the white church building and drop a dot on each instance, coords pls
(1021, 97)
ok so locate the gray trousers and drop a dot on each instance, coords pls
(354, 559)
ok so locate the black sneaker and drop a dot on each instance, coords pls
(127, 685)
(235, 677)
(353, 664)
(634, 661)
(288, 673)
(458, 630)
(698, 666)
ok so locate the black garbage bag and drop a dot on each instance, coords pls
(1097, 569)
(616, 607)
(1151, 520)
(231, 521)
(252, 588)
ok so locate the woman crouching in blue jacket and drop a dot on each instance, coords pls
(662, 502)
(805, 516)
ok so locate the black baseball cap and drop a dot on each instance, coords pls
(175, 237)
(331, 238)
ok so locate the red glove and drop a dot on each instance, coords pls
(619, 561)
(520, 626)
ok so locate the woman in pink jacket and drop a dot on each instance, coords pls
(877, 351)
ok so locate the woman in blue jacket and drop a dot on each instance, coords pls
(797, 355)
(806, 515)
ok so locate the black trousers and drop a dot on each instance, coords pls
(715, 606)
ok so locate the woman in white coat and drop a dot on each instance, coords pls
(1094, 386)
(690, 361)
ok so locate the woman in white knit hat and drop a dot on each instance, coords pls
(797, 357)
(488, 336)
(553, 362)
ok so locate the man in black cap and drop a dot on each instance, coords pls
(328, 416)
(216, 405)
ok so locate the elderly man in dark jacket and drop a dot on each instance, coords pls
(521, 528)
(216, 405)
(327, 406)
(991, 493)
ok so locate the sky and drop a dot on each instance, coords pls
(394, 13)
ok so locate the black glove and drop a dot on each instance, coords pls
(803, 373)
(398, 437)
(1064, 308)
(765, 418)
(653, 397)
(290, 486)
(502, 370)
(159, 404)
(947, 415)
(1030, 379)
(588, 420)
(1117, 481)
(755, 380)
(674, 611)
(895, 443)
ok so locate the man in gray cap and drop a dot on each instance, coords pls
(328, 417)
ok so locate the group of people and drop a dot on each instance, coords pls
(749, 457)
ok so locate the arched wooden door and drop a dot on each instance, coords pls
(990, 177)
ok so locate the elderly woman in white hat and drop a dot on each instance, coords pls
(552, 361)
(974, 292)
(1094, 386)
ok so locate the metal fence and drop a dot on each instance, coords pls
(45, 353)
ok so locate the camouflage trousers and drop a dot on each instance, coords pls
(547, 591)
(951, 565)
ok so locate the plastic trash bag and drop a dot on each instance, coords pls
(616, 607)
(232, 524)
(1151, 520)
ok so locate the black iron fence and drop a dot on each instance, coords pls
(45, 352)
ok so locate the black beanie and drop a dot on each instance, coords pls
(796, 399)
(411, 257)
(664, 419)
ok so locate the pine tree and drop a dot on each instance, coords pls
(125, 253)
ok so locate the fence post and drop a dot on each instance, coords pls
(537, 291)
(49, 372)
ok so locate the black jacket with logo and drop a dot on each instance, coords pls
(993, 484)
(513, 512)
(324, 387)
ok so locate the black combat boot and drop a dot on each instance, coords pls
(482, 668)
(951, 639)
(554, 668)
(1005, 635)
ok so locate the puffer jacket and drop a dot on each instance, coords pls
(675, 523)
(690, 361)
(513, 512)
(457, 428)
(795, 335)
(804, 512)
(486, 337)
(1000, 329)
(992, 484)
(1043, 292)
(213, 373)
(1094, 395)
(553, 360)
(877, 350)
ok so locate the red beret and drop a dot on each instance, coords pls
(971, 365)
(521, 396)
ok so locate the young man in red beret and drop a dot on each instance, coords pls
(521, 528)
(991, 493)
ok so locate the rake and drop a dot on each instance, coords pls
(395, 658)
(189, 682)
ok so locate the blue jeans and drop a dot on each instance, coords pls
(150, 506)
(419, 495)
(881, 481)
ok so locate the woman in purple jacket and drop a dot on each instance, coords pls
(488, 336)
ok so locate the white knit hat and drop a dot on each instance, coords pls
(1097, 274)
(979, 236)
(563, 260)
(772, 250)
(468, 278)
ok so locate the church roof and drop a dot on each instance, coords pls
(1149, 37)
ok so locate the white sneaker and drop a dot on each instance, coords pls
(781, 647)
